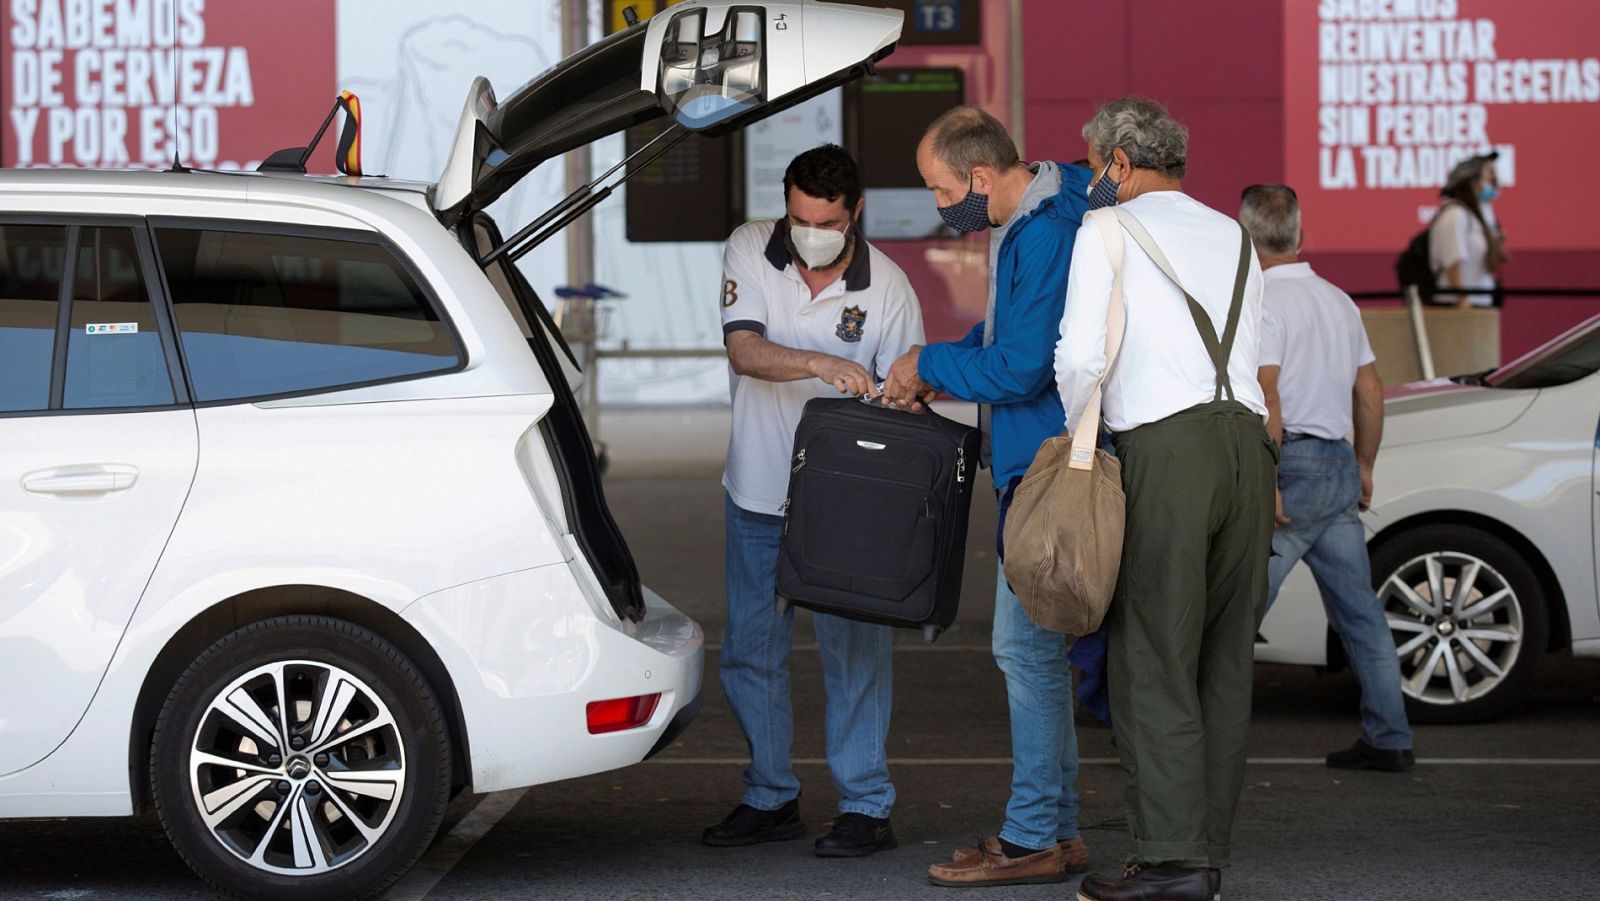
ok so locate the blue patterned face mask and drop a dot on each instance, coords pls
(969, 214)
(1103, 192)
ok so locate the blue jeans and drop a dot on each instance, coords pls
(1321, 485)
(856, 674)
(1044, 744)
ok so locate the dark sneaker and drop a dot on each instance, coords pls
(1362, 756)
(749, 826)
(856, 835)
(1158, 883)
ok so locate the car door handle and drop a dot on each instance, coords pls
(80, 480)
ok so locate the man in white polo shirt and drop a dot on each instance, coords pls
(809, 309)
(1321, 382)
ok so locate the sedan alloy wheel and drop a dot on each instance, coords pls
(1457, 625)
(1468, 616)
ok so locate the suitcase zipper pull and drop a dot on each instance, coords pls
(784, 511)
(961, 464)
(799, 462)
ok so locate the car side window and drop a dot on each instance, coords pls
(114, 356)
(32, 258)
(270, 314)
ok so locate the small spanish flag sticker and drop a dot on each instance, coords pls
(349, 155)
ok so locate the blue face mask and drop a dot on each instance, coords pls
(1103, 192)
(969, 214)
(1489, 193)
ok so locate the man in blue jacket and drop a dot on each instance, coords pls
(1006, 365)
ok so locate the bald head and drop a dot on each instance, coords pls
(966, 137)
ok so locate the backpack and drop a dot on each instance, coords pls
(1413, 266)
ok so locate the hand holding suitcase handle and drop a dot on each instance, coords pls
(847, 376)
(879, 399)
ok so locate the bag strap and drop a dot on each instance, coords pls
(1087, 434)
(1220, 351)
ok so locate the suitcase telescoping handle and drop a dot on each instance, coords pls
(873, 398)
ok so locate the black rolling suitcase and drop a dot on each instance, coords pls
(875, 527)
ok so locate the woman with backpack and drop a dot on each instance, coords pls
(1465, 244)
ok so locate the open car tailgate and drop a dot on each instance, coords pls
(713, 65)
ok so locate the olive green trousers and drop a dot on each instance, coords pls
(1191, 591)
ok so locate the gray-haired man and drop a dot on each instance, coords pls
(1197, 467)
(1321, 382)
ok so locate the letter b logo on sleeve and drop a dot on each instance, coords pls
(730, 292)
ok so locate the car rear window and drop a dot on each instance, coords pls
(31, 262)
(264, 314)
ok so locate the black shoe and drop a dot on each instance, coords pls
(1159, 883)
(856, 835)
(749, 826)
(1213, 878)
(1362, 756)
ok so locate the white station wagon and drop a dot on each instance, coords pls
(300, 527)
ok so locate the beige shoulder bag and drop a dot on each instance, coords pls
(1063, 534)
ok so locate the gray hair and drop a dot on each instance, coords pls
(1144, 130)
(1271, 213)
(965, 137)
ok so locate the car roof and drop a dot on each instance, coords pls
(205, 182)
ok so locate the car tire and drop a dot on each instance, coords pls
(1495, 628)
(338, 803)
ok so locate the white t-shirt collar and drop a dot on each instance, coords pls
(1288, 270)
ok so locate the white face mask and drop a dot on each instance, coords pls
(819, 248)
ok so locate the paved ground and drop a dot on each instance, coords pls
(1509, 810)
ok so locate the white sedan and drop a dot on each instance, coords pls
(1482, 534)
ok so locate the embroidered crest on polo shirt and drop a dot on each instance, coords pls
(851, 323)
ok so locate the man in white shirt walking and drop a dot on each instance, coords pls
(1321, 383)
(1197, 468)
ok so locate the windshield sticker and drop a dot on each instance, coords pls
(112, 328)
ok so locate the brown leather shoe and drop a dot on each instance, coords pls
(1213, 877)
(990, 866)
(1077, 853)
(1153, 883)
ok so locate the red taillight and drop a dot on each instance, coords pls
(621, 713)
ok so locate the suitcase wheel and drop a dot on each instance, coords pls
(930, 634)
(782, 605)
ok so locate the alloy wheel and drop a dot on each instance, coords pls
(297, 767)
(1457, 626)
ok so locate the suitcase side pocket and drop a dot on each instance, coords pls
(860, 534)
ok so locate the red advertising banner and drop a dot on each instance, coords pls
(132, 83)
(1383, 97)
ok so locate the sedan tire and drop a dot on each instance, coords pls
(301, 757)
(1469, 621)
